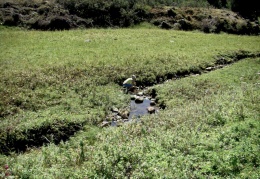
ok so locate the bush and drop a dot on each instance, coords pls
(107, 13)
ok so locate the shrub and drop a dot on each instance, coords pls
(107, 13)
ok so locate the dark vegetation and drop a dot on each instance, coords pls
(246, 8)
(178, 15)
(204, 19)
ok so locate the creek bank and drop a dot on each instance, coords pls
(221, 61)
(17, 140)
(145, 102)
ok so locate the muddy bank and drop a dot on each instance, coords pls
(220, 61)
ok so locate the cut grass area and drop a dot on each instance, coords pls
(214, 134)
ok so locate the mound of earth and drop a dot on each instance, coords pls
(53, 16)
(208, 20)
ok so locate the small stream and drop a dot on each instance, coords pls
(139, 109)
(136, 111)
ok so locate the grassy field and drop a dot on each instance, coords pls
(60, 85)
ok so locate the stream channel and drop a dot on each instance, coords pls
(139, 109)
(140, 105)
(146, 106)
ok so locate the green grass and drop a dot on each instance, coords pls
(56, 84)
(214, 136)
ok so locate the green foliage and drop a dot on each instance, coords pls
(121, 13)
(57, 81)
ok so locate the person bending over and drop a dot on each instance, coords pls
(130, 83)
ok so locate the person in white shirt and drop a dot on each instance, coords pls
(129, 83)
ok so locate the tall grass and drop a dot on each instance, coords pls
(214, 135)
(54, 65)
(58, 85)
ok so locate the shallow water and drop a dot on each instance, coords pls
(138, 109)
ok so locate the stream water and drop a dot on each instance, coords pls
(138, 109)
